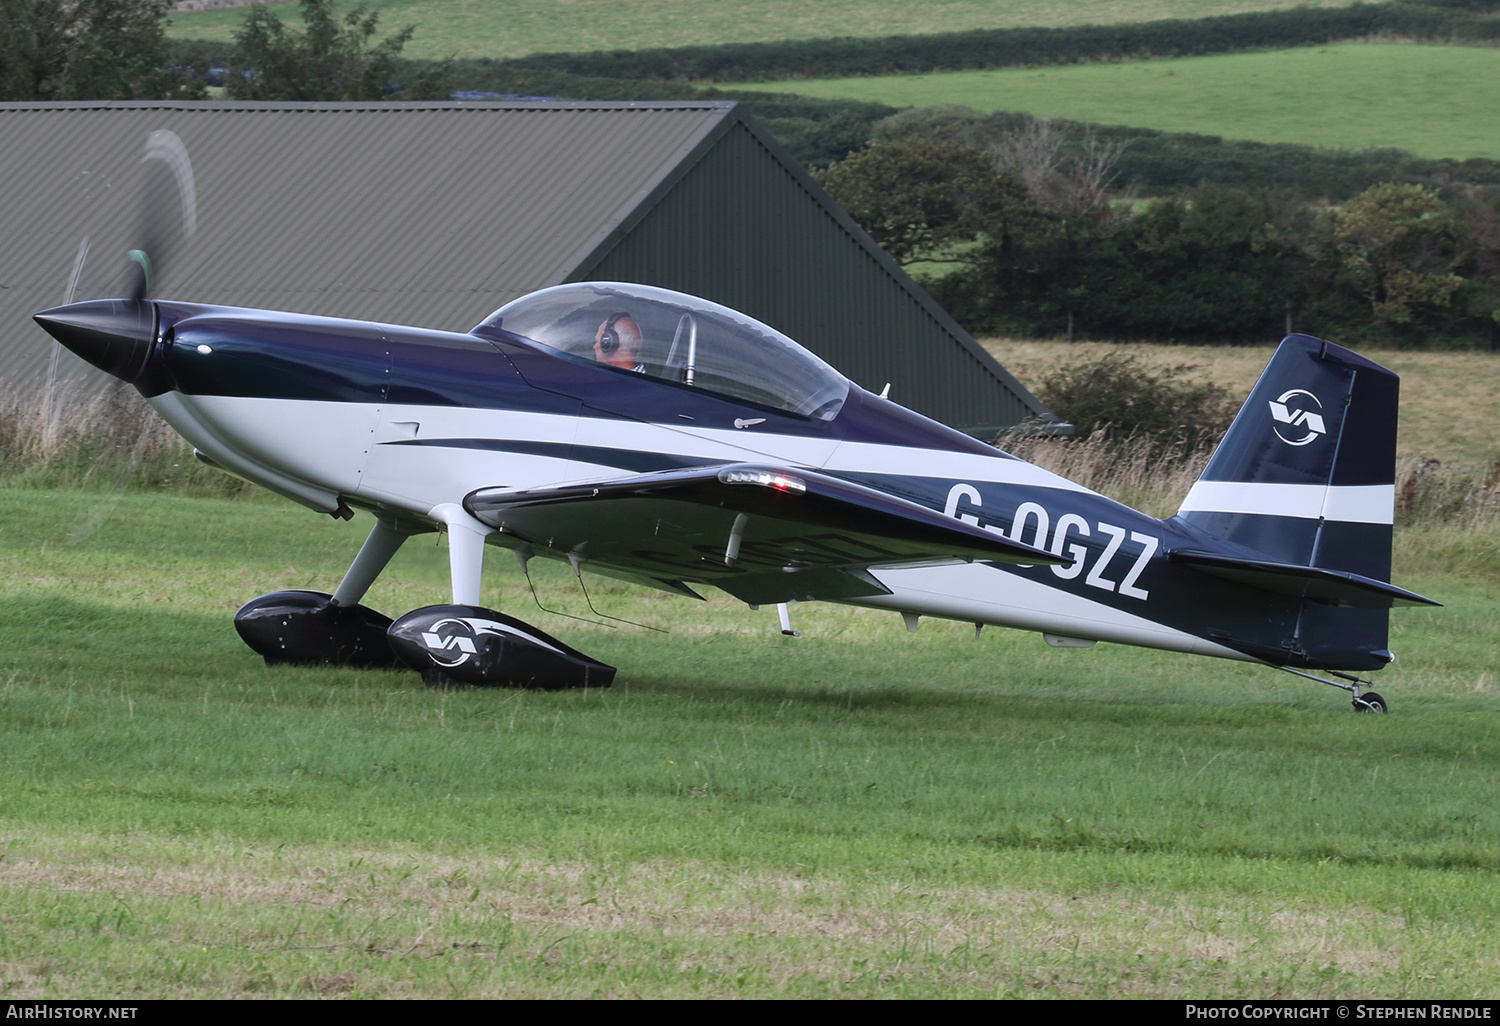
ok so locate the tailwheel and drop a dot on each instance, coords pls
(1368, 702)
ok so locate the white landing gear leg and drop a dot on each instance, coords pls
(465, 551)
(384, 541)
(786, 621)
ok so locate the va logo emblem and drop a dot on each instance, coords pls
(1295, 420)
(451, 641)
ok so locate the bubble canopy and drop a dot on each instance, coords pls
(669, 336)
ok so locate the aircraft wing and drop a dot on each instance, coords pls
(762, 533)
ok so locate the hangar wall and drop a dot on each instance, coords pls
(744, 229)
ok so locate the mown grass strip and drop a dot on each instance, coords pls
(161, 917)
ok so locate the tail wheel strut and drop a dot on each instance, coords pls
(1367, 702)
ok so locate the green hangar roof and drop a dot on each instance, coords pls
(437, 213)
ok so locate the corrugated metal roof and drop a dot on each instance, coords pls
(436, 214)
(430, 214)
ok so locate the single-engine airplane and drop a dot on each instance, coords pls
(670, 441)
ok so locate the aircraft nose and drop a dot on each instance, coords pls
(115, 335)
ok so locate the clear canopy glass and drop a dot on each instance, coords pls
(638, 329)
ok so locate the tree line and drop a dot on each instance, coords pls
(1028, 237)
(118, 50)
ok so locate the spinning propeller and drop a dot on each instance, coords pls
(118, 335)
(168, 183)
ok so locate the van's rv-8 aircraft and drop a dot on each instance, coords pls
(673, 442)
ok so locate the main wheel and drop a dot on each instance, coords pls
(469, 646)
(1369, 702)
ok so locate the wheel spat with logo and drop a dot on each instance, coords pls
(477, 647)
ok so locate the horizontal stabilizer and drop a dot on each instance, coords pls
(1331, 587)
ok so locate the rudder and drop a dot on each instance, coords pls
(1306, 476)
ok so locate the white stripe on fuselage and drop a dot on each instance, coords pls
(848, 456)
(325, 442)
(1358, 504)
(901, 461)
(978, 593)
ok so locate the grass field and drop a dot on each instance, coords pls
(858, 812)
(514, 28)
(1434, 101)
(1450, 402)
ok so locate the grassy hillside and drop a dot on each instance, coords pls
(514, 28)
(1431, 100)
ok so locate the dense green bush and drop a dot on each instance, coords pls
(1117, 395)
(1209, 264)
(924, 199)
(332, 58)
(88, 50)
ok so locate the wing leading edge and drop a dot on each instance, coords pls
(762, 533)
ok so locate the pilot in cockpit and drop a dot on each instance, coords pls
(618, 343)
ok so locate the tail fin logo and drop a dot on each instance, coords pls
(1301, 424)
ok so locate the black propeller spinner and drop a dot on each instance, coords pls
(119, 335)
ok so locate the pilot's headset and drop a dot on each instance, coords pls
(610, 340)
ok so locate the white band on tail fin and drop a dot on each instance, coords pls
(1357, 504)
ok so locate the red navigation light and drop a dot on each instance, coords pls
(764, 478)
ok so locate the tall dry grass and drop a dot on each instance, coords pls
(1448, 520)
(1427, 492)
(111, 440)
(1139, 471)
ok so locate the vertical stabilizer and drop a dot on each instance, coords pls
(1306, 475)
(1307, 472)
